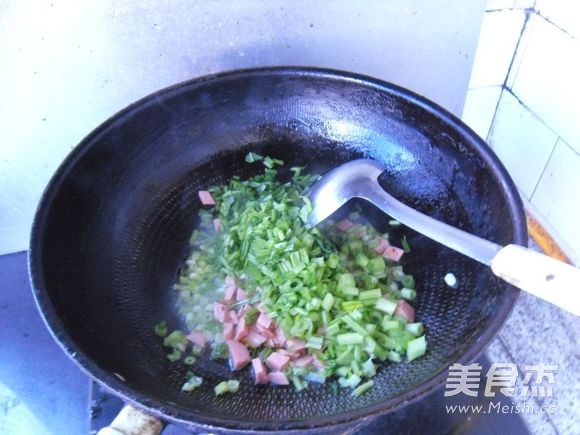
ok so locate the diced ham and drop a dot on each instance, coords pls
(289, 354)
(220, 312)
(383, 244)
(344, 224)
(303, 361)
(361, 234)
(253, 339)
(206, 198)
(197, 337)
(260, 373)
(317, 363)
(264, 320)
(280, 337)
(295, 344)
(234, 316)
(231, 282)
(242, 329)
(393, 253)
(229, 294)
(405, 310)
(241, 294)
(239, 355)
(217, 225)
(229, 330)
(277, 361)
(270, 343)
(265, 332)
(277, 378)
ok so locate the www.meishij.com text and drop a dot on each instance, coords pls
(499, 408)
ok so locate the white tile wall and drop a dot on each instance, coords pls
(499, 35)
(479, 108)
(522, 142)
(547, 76)
(508, 4)
(563, 13)
(557, 195)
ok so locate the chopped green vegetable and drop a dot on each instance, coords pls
(327, 287)
(161, 329)
(361, 389)
(405, 245)
(416, 348)
(230, 386)
(192, 383)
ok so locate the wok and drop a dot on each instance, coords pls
(111, 233)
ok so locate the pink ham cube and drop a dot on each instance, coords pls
(229, 330)
(242, 329)
(393, 253)
(253, 339)
(241, 295)
(277, 361)
(405, 311)
(217, 225)
(295, 344)
(206, 198)
(344, 224)
(303, 361)
(220, 312)
(260, 373)
(229, 294)
(277, 378)
(197, 337)
(383, 244)
(239, 355)
(231, 282)
(264, 320)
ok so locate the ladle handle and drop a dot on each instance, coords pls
(539, 275)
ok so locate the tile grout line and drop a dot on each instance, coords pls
(544, 168)
(506, 348)
(528, 13)
(547, 20)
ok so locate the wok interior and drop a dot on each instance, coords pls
(119, 215)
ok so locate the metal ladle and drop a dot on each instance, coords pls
(538, 274)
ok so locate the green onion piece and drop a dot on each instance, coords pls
(197, 350)
(349, 338)
(189, 360)
(233, 386)
(361, 389)
(349, 306)
(415, 329)
(314, 342)
(408, 281)
(405, 245)
(253, 157)
(394, 356)
(174, 356)
(251, 316)
(394, 223)
(362, 260)
(416, 348)
(161, 329)
(174, 339)
(192, 383)
(388, 324)
(221, 388)
(409, 294)
(376, 265)
(386, 306)
(370, 294)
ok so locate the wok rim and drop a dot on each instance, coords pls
(172, 413)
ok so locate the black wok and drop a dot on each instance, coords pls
(112, 230)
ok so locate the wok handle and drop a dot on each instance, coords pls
(132, 421)
(539, 275)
